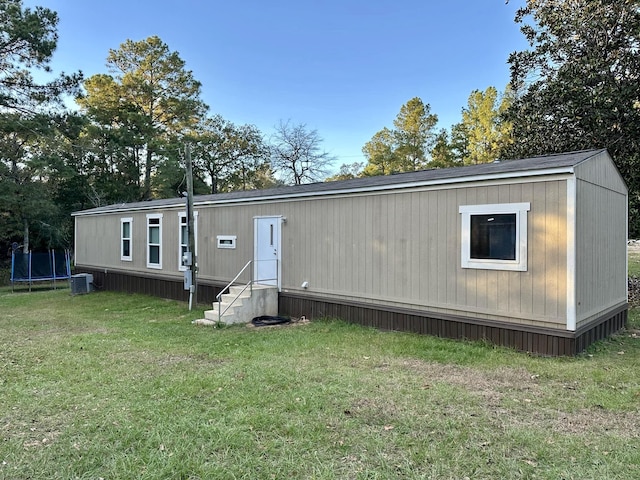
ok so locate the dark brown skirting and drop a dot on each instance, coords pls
(163, 287)
(534, 340)
(539, 341)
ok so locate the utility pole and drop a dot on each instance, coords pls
(192, 264)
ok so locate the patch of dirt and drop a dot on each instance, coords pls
(512, 396)
(34, 433)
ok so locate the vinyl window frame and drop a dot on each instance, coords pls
(150, 225)
(520, 210)
(129, 239)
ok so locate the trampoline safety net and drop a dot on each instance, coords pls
(40, 266)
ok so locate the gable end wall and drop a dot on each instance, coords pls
(601, 239)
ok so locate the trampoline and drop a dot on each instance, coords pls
(40, 267)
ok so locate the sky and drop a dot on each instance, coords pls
(340, 67)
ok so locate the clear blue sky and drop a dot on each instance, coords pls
(342, 67)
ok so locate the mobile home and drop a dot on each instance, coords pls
(526, 253)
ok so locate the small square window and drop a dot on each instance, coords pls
(494, 237)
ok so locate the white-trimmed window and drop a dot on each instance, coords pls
(126, 245)
(154, 240)
(183, 239)
(494, 236)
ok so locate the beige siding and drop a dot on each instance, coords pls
(394, 248)
(403, 249)
(600, 170)
(539, 294)
(98, 241)
(601, 236)
(601, 276)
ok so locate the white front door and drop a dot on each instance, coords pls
(266, 256)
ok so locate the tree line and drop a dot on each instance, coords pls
(574, 88)
(414, 143)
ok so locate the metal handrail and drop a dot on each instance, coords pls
(219, 296)
(249, 285)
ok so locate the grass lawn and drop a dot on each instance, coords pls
(123, 386)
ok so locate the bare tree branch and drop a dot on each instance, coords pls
(296, 154)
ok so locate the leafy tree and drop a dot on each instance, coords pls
(230, 157)
(443, 154)
(347, 172)
(262, 177)
(381, 154)
(576, 87)
(296, 154)
(209, 160)
(69, 168)
(114, 141)
(248, 155)
(28, 38)
(151, 99)
(414, 134)
(29, 112)
(25, 192)
(460, 142)
(405, 148)
(483, 131)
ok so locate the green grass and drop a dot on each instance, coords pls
(124, 386)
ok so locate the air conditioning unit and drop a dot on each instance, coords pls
(81, 283)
